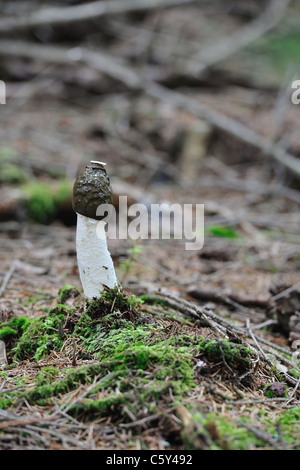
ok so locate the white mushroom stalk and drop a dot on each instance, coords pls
(95, 264)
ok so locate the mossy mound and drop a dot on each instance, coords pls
(237, 357)
(218, 432)
(137, 355)
(114, 362)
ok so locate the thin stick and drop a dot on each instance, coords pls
(293, 392)
(266, 358)
(227, 47)
(7, 277)
(285, 292)
(197, 312)
(133, 80)
(261, 434)
(226, 124)
(83, 12)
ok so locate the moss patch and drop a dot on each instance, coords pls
(130, 366)
(42, 335)
(43, 201)
(142, 359)
(219, 432)
(67, 292)
(12, 174)
(236, 356)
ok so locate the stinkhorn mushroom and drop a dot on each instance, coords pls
(96, 270)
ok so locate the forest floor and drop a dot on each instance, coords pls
(199, 351)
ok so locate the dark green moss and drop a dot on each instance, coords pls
(153, 300)
(66, 293)
(42, 202)
(14, 328)
(42, 335)
(112, 331)
(21, 323)
(46, 376)
(104, 406)
(6, 403)
(7, 332)
(71, 381)
(29, 341)
(115, 309)
(216, 432)
(236, 356)
(12, 174)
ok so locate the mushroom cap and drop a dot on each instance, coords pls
(91, 189)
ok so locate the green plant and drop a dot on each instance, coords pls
(15, 327)
(6, 332)
(236, 356)
(43, 201)
(126, 266)
(219, 231)
(67, 292)
(279, 50)
(7, 154)
(12, 174)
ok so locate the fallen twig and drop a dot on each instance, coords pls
(293, 392)
(285, 292)
(7, 277)
(86, 11)
(217, 322)
(236, 300)
(134, 80)
(266, 358)
(262, 435)
(19, 421)
(226, 124)
(62, 55)
(227, 47)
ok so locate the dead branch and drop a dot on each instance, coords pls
(254, 187)
(7, 277)
(197, 312)
(228, 125)
(86, 11)
(262, 435)
(24, 421)
(227, 47)
(217, 297)
(60, 55)
(120, 71)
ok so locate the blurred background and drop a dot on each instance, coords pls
(186, 101)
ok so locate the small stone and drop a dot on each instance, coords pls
(278, 389)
